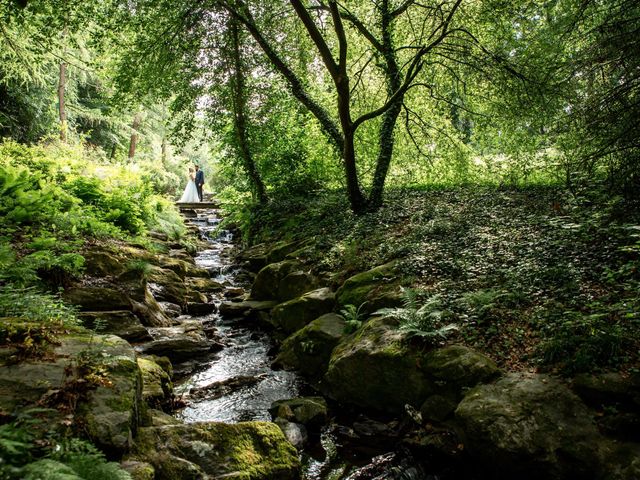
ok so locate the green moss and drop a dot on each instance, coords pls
(251, 450)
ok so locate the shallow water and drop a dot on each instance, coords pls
(245, 353)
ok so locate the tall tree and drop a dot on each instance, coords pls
(239, 103)
(442, 40)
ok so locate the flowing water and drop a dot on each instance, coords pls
(244, 362)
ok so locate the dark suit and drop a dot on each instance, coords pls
(199, 182)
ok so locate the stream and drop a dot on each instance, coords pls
(336, 454)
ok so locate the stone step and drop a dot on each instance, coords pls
(197, 205)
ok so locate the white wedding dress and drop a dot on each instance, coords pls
(190, 194)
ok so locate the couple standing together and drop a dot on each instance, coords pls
(193, 191)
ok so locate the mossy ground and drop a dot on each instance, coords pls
(539, 279)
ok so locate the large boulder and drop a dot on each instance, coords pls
(180, 343)
(147, 308)
(111, 413)
(296, 284)
(308, 350)
(376, 368)
(201, 284)
(122, 323)
(280, 250)
(456, 367)
(244, 451)
(167, 286)
(530, 426)
(265, 286)
(608, 389)
(103, 263)
(374, 289)
(97, 299)
(181, 267)
(293, 315)
(254, 257)
(98, 371)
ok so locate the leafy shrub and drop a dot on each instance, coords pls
(26, 455)
(87, 189)
(578, 342)
(165, 218)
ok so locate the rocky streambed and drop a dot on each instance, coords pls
(212, 364)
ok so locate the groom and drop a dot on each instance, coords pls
(199, 181)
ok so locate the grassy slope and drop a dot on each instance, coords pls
(534, 278)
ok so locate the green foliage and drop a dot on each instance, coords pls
(425, 321)
(353, 317)
(30, 304)
(141, 267)
(28, 451)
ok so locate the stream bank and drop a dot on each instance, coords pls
(392, 407)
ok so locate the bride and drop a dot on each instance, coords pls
(190, 194)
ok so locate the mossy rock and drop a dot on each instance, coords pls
(122, 323)
(438, 408)
(111, 413)
(139, 470)
(308, 350)
(376, 368)
(247, 451)
(530, 426)
(308, 411)
(104, 368)
(255, 257)
(203, 284)
(374, 289)
(457, 367)
(265, 285)
(280, 250)
(296, 284)
(163, 276)
(293, 315)
(180, 267)
(608, 389)
(157, 389)
(103, 263)
(97, 299)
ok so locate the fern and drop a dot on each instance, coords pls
(353, 317)
(423, 321)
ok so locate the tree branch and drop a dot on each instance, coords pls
(316, 36)
(295, 84)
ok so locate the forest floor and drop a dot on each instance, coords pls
(538, 279)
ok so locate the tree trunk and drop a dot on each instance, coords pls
(133, 142)
(240, 122)
(356, 198)
(62, 80)
(386, 136)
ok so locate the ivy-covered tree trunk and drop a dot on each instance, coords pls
(386, 136)
(239, 117)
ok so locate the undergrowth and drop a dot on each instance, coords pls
(538, 278)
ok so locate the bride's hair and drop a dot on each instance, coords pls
(191, 170)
